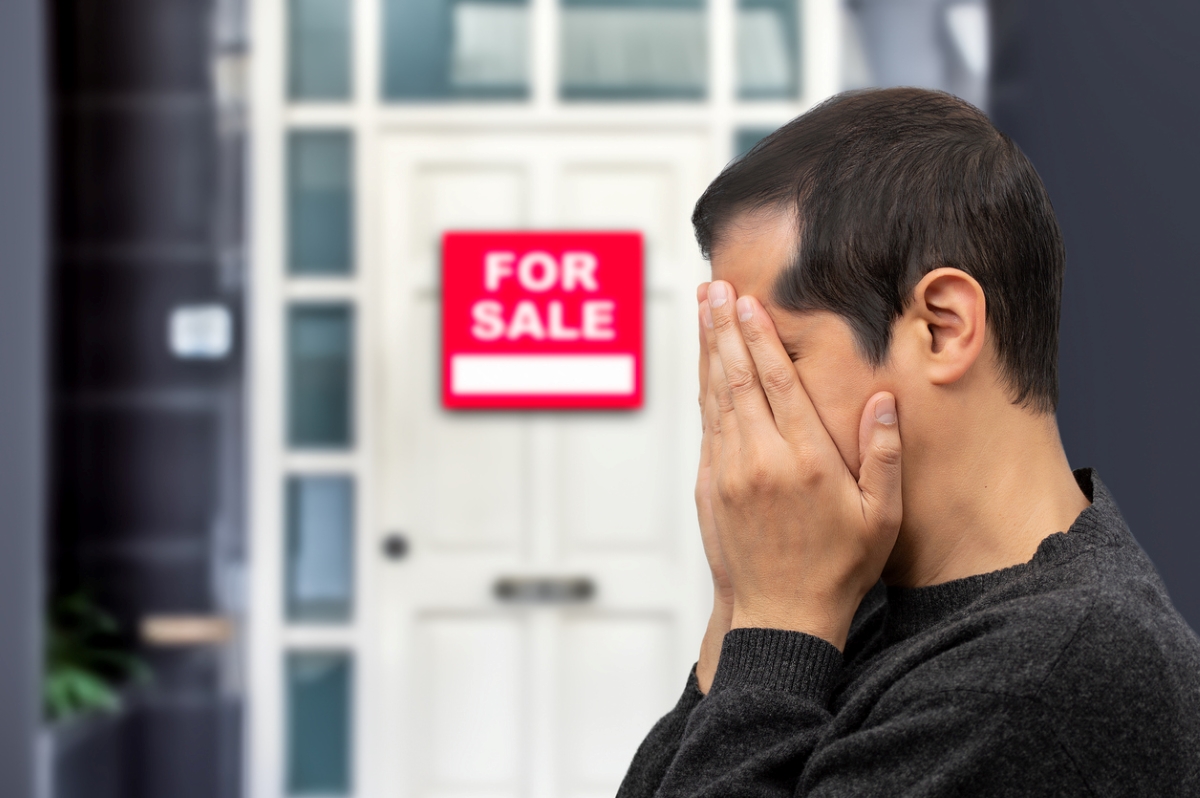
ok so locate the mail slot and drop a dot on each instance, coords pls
(544, 589)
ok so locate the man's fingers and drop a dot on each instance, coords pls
(879, 473)
(745, 393)
(718, 411)
(703, 369)
(789, 402)
(713, 430)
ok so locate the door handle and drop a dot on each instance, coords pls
(395, 546)
(544, 589)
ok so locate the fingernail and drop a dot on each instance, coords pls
(885, 410)
(707, 316)
(717, 295)
(745, 308)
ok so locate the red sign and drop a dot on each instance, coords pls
(542, 320)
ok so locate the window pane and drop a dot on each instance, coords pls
(448, 49)
(319, 688)
(633, 49)
(747, 137)
(319, 49)
(320, 371)
(320, 530)
(320, 202)
(768, 49)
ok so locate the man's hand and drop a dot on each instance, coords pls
(801, 539)
(722, 612)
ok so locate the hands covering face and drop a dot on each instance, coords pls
(793, 540)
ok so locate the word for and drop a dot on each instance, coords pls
(539, 271)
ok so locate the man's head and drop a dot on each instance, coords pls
(901, 243)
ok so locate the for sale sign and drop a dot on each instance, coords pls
(542, 320)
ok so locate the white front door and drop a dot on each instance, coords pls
(552, 595)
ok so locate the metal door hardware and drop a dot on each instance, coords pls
(544, 589)
(395, 546)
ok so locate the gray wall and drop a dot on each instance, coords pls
(1103, 97)
(909, 43)
(22, 389)
(147, 464)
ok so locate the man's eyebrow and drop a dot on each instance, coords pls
(792, 347)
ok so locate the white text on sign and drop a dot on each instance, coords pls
(538, 272)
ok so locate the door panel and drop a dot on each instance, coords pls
(614, 671)
(472, 475)
(633, 197)
(618, 470)
(471, 710)
(457, 195)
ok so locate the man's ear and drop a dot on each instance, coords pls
(949, 313)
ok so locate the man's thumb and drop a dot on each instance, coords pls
(879, 474)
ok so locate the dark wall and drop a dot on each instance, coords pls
(22, 388)
(1104, 98)
(147, 480)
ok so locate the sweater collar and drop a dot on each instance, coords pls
(914, 609)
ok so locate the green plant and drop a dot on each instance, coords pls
(86, 659)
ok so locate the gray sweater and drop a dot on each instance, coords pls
(1068, 675)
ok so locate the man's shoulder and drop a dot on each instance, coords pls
(1127, 621)
(1125, 690)
(1110, 662)
(1100, 618)
(1131, 639)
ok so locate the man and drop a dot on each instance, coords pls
(913, 593)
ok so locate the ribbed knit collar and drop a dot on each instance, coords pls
(913, 609)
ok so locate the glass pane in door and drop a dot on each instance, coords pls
(633, 50)
(319, 690)
(319, 49)
(319, 375)
(320, 203)
(320, 530)
(455, 49)
(746, 137)
(768, 49)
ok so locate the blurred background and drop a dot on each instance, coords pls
(244, 552)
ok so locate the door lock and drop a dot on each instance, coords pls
(395, 546)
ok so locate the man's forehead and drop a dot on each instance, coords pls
(754, 248)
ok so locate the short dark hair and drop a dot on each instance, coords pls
(887, 185)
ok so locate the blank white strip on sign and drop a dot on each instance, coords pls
(541, 375)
